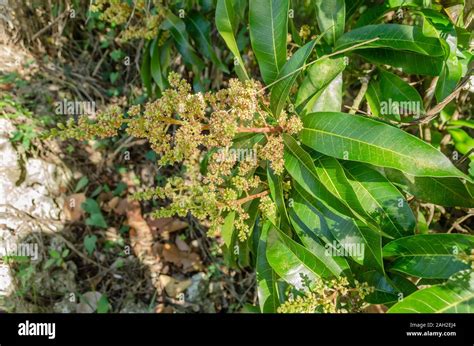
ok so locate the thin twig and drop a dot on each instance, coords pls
(360, 94)
(315, 61)
(433, 112)
(58, 18)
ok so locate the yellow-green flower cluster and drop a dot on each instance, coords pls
(183, 128)
(139, 21)
(305, 32)
(103, 125)
(329, 296)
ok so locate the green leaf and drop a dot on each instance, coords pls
(226, 25)
(145, 72)
(442, 28)
(82, 183)
(381, 200)
(54, 254)
(408, 62)
(276, 192)
(200, 29)
(331, 16)
(394, 36)
(387, 290)
(90, 206)
(349, 234)
(330, 98)
(392, 97)
(177, 29)
(103, 305)
(434, 256)
(332, 175)
(90, 243)
(266, 277)
(228, 229)
(287, 77)
(454, 296)
(96, 220)
(318, 76)
(352, 6)
(357, 138)
(301, 168)
(293, 262)
(398, 45)
(313, 229)
(155, 66)
(268, 34)
(450, 192)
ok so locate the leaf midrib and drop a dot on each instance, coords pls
(373, 146)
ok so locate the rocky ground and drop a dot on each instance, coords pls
(111, 258)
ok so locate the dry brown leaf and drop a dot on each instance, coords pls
(162, 309)
(104, 196)
(181, 244)
(112, 204)
(188, 261)
(173, 287)
(122, 207)
(167, 225)
(172, 254)
(72, 206)
(141, 237)
(192, 262)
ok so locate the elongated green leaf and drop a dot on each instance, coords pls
(352, 238)
(313, 229)
(178, 30)
(362, 139)
(394, 36)
(434, 256)
(331, 16)
(318, 76)
(450, 76)
(398, 45)
(371, 15)
(352, 6)
(145, 72)
(381, 200)
(330, 98)
(200, 28)
(331, 173)
(268, 33)
(309, 222)
(454, 296)
(392, 97)
(450, 192)
(276, 191)
(293, 262)
(287, 77)
(155, 65)
(408, 62)
(387, 290)
(376, 13)
(266, 276)
(228, 229)
(300, 166)
(226, 25)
